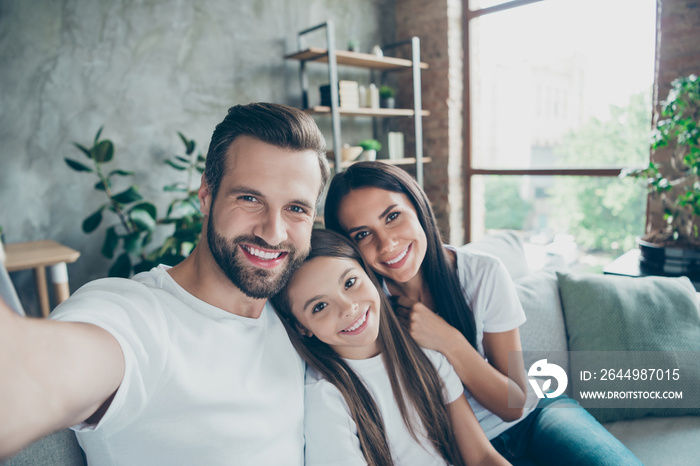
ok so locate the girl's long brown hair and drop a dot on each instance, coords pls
(414, 380)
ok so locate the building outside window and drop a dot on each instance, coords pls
(560, 99)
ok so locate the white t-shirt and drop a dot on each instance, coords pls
(494, 301)
(201, 385)
(331, 433)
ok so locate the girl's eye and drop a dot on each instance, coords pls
(350, 282)
(392, 216)
(318, 307)
(361, 235)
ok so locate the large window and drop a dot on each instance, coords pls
(559, 101)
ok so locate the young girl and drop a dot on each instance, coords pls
(475, 320)
(372, 395)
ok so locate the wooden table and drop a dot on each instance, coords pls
(37, 255)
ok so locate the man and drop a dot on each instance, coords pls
(185, 365)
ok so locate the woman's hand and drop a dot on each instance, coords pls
(426, 327)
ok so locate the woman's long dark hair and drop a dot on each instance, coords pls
(414, 380)
(441, 278)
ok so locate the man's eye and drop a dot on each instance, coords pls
(361, 235)
(350, 282)
(249, 198)
(297, 209)
(318, 307)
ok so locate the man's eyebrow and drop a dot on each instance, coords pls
(317, 297)
(382, 215)
(245, 190)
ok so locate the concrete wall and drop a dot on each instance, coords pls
(145, 70)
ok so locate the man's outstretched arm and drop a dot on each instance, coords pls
(52, 375)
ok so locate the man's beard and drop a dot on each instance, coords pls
(255, 282)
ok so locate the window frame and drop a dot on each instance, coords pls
(469, 170)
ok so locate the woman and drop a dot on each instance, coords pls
(475, 320)
(372, 395)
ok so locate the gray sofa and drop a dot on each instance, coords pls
(670, 440)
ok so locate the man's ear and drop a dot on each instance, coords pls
(205, 196)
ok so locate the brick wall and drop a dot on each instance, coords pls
(438, 25)
(678, 54)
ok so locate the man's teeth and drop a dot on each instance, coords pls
(358, 324)
(398, 258)
(262, 254)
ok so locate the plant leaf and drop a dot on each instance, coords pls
(100, 186)
(125, 197)
(111, 242)
(121, 267)
(175, 165)
(143, 217)
(97, 135)
(120, 173)
(103, 151)
(77, 166)
(93, 221)
(132, 244)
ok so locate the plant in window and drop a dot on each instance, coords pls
(676, 183)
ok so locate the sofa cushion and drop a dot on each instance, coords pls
(543, 335)
(507, 245)
(58, 449)
(658, 316)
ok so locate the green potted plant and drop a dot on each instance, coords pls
(673, 181)
(386, 96)
(135, 219)
(370, 147)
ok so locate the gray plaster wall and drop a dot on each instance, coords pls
(145, 70)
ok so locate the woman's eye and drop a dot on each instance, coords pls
(318, 307)
(350, 282)
(392, 216)
(361, 235)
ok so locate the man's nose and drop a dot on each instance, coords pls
(272, 228)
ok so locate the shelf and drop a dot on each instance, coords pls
(371, 112)
(364, 60)
(405, 161)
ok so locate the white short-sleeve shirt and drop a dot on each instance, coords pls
(492, 297)
(201, 385)
(331, 433)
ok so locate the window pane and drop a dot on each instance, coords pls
(588, 220)
(558, 84)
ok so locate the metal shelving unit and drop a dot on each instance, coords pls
(333, 58)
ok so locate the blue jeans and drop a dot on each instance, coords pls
(560, 431)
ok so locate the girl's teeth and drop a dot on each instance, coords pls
(357, 324)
